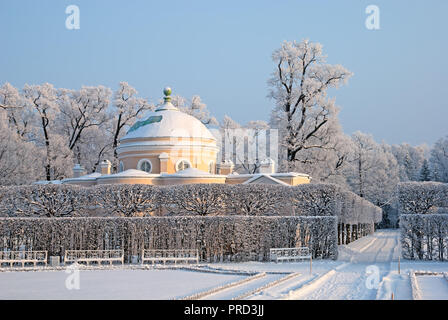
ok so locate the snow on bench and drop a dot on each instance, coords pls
(97, 256)
(170, 255)
(290, 254)
(23, 257)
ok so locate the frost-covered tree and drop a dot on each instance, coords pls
(194, 107)
(42, 100)
(410, 160)
(425, 173)
(20, 161)
(19, 116)
(126, 109)
(438, 160)
(95, 145)
(328, 164)
(237, 139)
(373, 173)
(81, 110)
(299, 87)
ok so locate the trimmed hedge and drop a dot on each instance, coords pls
(423, 208)
(424, 236)
(421, 197)
(195, 199)
(223, 238)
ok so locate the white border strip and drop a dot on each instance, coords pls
(267, 286)
(203, 294)
(416, 293)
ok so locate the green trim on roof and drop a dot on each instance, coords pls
(150, 120)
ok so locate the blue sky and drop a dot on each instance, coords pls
(222, 51)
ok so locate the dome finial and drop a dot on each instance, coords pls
(167, 92)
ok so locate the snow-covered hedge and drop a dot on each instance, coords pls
(423, 208)
(224, 199)
(124, 200)
(356, 216)
(329, 199)
(42, 201)
(196, 199)
(424, 236)
(421, 197)
(221, 238)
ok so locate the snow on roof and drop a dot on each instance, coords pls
(48, 182)
(191, 173)
(283, 174)
(258, 176)
(168, 123)
(289, 174)
(87, 177)
(130, 173)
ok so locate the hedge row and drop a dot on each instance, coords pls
(197, 199)
(422, 197)
(230, 238)
(424, 236)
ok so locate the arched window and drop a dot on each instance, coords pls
(121, 167)
(145, 165)
(211, 167)
(182, 165)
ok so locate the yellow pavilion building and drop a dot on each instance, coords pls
(171, 147)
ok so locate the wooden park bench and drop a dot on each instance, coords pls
(290, 254)
(23, 257)
(98, 256)
(170, 255)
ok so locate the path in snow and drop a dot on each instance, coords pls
(433, 287)
(349, 281)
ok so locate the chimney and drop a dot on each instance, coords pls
(226, 167)
(105, 167)
(267, 166)
(78, 171)
(163, 157)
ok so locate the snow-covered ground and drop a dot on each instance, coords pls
(433, 287)
(109, 284)
(366, 269)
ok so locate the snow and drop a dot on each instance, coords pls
(87, 177)
(342, 279)
(130, 173)
(174, 123)
(269, 177)
(237, 291)
(191, 173)
(43, 182)
(113, 284)
(433, 287)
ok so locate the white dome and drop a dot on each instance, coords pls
(168, 121)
